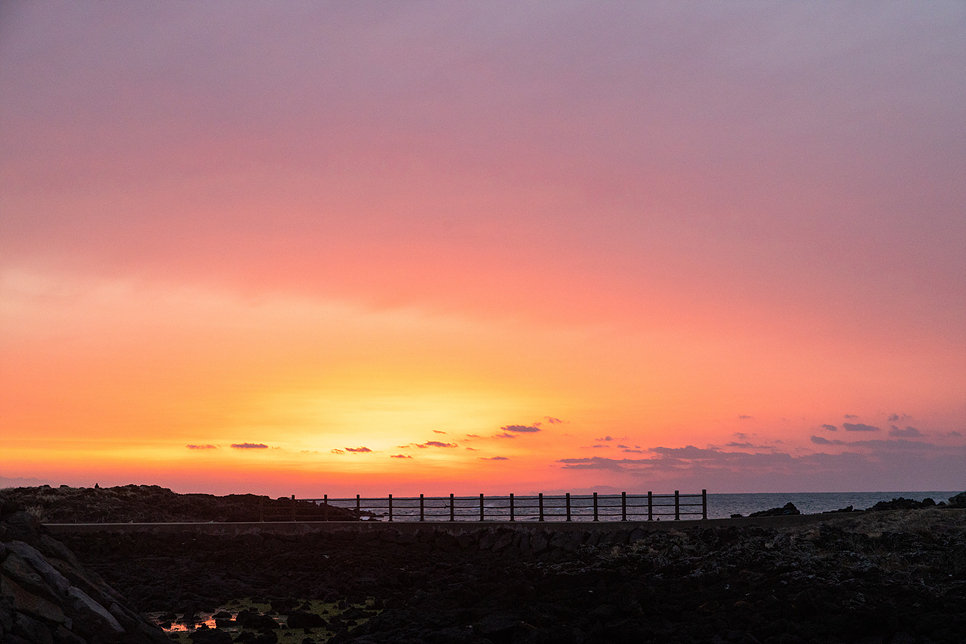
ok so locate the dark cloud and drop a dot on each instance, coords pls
(954, 433)
(740, 435)
(604, 438)
(436, 431)
(504, 435)
(898, 445)
(435, 444)
(897, 417)
(632, 451)
(552, 420)
(400, 456)
(739, 444)
(524, 429)
(202, 446)
(472, 449)
(685, 452)
(493, 458)
(850, 416)
(473, 436)
(859, 427)
(593, 463)
(818, 440)
(908, 432)
(337, 451)
(831, 428)
(621, 446)
(600, 447)
(743, 417)
(249, 446)
(358, 450)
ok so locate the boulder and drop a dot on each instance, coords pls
(786, 510)
(47, 597)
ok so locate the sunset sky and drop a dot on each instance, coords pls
(335, 248)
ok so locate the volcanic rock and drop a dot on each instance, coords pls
(39, 601)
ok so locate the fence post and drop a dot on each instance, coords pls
(677, 505)
(358, 507)
(421, 515)
(481, 507)
(650, 505)
(704, 504)
(595, 506)
(540, 501)
(293, 507)
(325, 507)
(511, 506)
(623, 506)
(452, 509)
(568, 506)
(390, 507)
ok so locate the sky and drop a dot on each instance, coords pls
(369, 248)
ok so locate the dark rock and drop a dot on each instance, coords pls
(32, 630)
(958, 501)
(304, 619)
(786, 510)
(210, 636)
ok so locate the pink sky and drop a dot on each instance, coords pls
(727, 236)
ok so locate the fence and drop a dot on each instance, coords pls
(566, 507)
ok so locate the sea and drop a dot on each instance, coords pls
(615, 507)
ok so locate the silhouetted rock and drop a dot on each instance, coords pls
(154, 504)
(47, 597)
(786, 510)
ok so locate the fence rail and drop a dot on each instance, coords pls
(565, 507)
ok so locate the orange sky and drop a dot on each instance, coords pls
(332, 249)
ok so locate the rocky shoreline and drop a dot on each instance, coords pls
(889, 577)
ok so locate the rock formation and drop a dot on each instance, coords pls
(47, 597)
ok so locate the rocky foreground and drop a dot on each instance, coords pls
(890, 577)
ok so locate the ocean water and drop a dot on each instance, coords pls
(612, 507)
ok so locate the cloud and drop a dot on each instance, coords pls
(337, 451)
(524, 429)
(436, 431)
(632, 451)
(358, 450)
(435, 444)
(954, 433)
(400, 456)
(552, 420)
(850, 416)
(908, 432)
(473, 436)
(593, 463)
(739, 444)
(605, 438)
(859, 427)
(493, 458)
(504, 435)
(897, 417)
(202, 446)
(622, 446)
(831, 428)
(818, 440)
(472, 449)
(249, 446)
(740, 435)
(743, 417)
(600, 447)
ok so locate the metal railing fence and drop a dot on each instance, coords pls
(512, 508)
